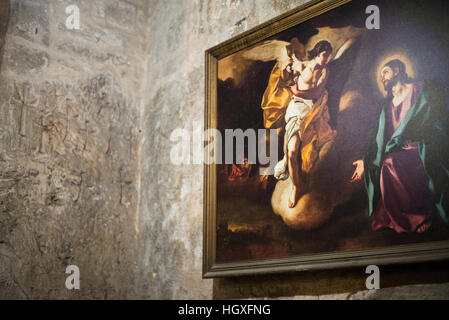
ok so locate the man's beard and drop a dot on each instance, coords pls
(388, 86)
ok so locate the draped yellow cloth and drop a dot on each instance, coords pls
(315, 130)
(275, 100)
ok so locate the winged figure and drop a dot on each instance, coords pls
(296, 99)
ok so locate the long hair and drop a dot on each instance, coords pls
(321, 46)
(402, 73)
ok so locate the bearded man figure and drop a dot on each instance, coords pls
(406, 170)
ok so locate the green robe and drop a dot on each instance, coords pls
(426, 123)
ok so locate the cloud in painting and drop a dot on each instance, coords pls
(329, 182)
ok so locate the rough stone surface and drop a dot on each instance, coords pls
(31, 20)
(414, 292)
(24, 60)
(69, 166)
(85, 175)
(120, 14)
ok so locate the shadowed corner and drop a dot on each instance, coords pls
(4, 20)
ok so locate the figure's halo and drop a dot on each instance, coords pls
(404, 57)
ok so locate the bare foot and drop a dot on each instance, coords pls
(294, 197)
(423, 227)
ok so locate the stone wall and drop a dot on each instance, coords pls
(70, 104)
(85, 176)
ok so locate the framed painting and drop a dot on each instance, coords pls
(327, 140)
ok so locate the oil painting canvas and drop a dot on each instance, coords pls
(351, 108)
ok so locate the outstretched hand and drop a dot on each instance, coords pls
(359, 171)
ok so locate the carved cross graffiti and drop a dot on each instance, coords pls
(123, 183)
(23, 96)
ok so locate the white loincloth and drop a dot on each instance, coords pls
(296, 111)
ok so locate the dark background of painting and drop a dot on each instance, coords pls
(415, 26)
(247, 227)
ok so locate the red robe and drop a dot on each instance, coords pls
(406, 201)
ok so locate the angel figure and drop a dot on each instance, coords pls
(296, 93)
